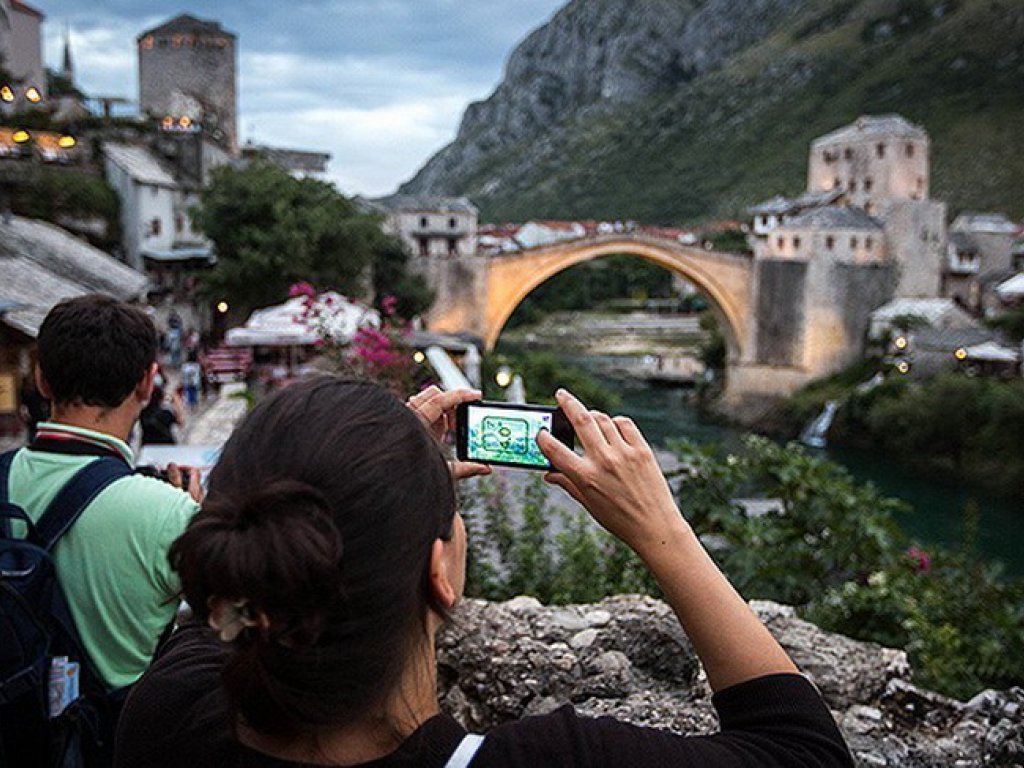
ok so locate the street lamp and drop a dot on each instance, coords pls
(33, 95)
(901, 342)
(6, 94)
(418, 357)
(960, 354)
(222, 307)
(66, 142)
(503, 377)
(903, 367)
(21, 136)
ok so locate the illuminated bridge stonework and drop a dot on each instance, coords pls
(798, 330)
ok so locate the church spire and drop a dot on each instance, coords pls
(68, 68)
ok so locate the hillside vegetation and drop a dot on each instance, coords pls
(673, 111)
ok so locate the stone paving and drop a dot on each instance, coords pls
(214, 424)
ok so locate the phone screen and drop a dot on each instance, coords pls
(505, 435)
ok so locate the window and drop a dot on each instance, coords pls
(836, 183)
(830, 242)
(179, 224)
(848, 153)
(453, 246)
(424, 246)
(869, 208)
(452, 223)
(853, 185)
(868, 243)
(869, 183)
(910, 150)
(781, 243)
(880, 150)
(424, 222)
(853, 243)
(154, 227)
(796, 243)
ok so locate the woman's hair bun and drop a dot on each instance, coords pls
(278, 548)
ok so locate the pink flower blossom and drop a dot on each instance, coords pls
(388, 305)
(922, 560)
(301, 289)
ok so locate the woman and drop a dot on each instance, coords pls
(328, 554)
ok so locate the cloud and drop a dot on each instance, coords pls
(381, 84)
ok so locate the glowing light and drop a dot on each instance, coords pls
(20, 137)
(960, 354)
(185, 122)
(66, 142)
(903, 367)
(168, 123)
(33, 95)
(418, 357)
(6, 93)
(504, 376)
(901, 342)
(222, 307)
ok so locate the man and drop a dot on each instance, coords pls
(97, 363)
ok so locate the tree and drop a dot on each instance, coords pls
(271, 230)
(391, 278)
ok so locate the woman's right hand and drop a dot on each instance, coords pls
(617, 479)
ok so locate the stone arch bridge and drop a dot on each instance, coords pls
(780, 318)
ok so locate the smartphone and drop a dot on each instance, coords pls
(505, 435)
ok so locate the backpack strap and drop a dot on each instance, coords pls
(72, 500)
(466, 751)
(9, 510)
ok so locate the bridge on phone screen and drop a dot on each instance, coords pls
(786, 321)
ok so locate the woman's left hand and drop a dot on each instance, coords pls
(436, 409)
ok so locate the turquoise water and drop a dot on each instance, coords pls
(938, 507)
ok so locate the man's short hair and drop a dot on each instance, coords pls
(94, 350)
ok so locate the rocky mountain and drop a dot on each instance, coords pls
(668, 111)
(627, 657)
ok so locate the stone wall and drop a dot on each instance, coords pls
(627, 657)
(780, 311)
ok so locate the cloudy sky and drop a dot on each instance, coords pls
(380, 84)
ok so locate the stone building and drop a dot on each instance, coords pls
(21, 55)
(875, 160)
(432, 227)
(188, 81)
(980, 255)
(155, 223)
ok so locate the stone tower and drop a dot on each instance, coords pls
(188, 80)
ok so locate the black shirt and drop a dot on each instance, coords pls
(177, 716)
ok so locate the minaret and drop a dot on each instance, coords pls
(68, 67)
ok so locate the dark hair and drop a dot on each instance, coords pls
(321, 513)
(94, 350)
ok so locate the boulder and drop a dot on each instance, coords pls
(627, 657)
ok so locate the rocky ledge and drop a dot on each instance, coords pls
(627, 657)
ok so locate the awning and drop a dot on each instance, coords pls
(199, 253)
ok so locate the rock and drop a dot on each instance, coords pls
(626, 657)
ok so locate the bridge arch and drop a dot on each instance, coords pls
(724, 278)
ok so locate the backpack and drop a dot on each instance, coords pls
(38, 637)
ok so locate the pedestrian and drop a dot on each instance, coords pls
(158, 422)
(330, 551)
(97, 363)
(191, 379)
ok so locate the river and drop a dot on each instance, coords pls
(938, 508)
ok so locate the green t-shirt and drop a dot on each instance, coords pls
(113, 563)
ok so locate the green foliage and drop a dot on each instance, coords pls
(391, 278)
(592, 285)
(827, 529)
(543, 374)
(713, 351)
(514, 549)
(55, 195)
(272, 230)
(1010, 322)
(835, 551)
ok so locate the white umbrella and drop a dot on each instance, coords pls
(291, 325)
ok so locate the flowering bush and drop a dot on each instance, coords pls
(379, 348)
